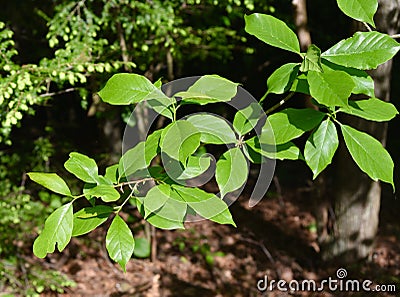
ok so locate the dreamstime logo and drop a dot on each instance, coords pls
(146, 118)
(338, 284)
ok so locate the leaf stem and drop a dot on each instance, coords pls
(263, 97)
(280, 103)
(395, 36)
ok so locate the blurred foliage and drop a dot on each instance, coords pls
(20, 212)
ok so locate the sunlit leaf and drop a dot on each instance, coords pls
(120, 242)
(365, 50)
(231, 171)
(82, 167)
(272, 31)
(280, 81)
(372, 109)
(369, 154)
(51, 181)
(321, 146)
(360, 10)
(57, 230)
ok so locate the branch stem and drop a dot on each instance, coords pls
(280, 103)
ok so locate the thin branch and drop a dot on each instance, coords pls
(395, 36)
(280, 103)
(57, 93)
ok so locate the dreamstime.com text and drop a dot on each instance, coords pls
(338, 284)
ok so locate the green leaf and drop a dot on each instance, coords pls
(365, 50)
(213, 129)
(82, 167)
(107, 193)
(208, 205)
(89, 218)
(209, 89)
(132, 161)
(112, 173)
(196, 165)
(330, 88)
(51, 181)
(312, 60)
(321, 146)
(247, 118)
(369, 154)
(57, 230)
(152, 146)
(289, 124)
(364, 84)
(162, 106)
(272, 31)
(280, 81)
(300, 85)
(142, 248)
(285, 151)
(360, 10)
(129, 88)
(180, 141)
(164, 208)
(155, 198)
(372, 109)
(231, 171)
(119, 242)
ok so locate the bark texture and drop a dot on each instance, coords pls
(355, 198)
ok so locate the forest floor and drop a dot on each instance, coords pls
(276, 239)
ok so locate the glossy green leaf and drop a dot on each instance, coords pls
(107, 193)
(312, 60)
(365, 50)
(364, 84)
(360, 10)
(213, 129)
(209, 89)
(372, 109)
(369, 154)
(142, 248)
(247, 118)
(180, 141)
(330, 88)
(272, 31)
(280, 81)
(195, 166)
(321, 146)
(129, 88)
(51, 181)
(289, 124)
(285, 151)
(207, 205)
(82, 167)
(57, 230)
(89, 218)
(119, 242)
(231, 171)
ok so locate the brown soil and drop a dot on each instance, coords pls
(276, 238)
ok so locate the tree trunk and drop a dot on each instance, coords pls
(355, 197)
